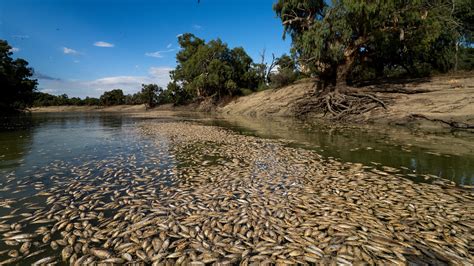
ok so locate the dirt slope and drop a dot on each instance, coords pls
(443, 101)
(273, 102)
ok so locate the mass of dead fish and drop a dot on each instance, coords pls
(205, 195)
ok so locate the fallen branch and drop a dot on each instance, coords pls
(452, 124)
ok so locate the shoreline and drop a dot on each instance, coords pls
(441, 104)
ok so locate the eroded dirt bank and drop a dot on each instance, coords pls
(439, 102)
(251, 200)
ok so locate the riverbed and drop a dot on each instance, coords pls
(80, 188)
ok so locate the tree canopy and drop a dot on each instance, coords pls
(15, 81)
(113, 97)
(46, 99)
(332, 39)
(149, 94)
(210, 69)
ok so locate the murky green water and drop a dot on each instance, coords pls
(34, 141)
(415, 154)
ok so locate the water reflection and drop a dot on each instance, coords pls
(446, 156)
(14, 145)
(38, 139)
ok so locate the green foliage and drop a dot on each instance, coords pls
(17, 87)
(149, 94)
(466, 58)
(287, 72)
(246, 92)
(209, 70)
(113, 97)
(284, 77)
(334, 39)
(91, 101)
(46, 99)
(178, 94)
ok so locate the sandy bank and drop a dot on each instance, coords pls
(443, 101)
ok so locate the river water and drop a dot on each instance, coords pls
(42, 147)
(34, 141)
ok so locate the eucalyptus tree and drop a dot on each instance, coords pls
(332, 39)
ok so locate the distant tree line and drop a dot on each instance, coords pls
(150, 95)
(46, 99)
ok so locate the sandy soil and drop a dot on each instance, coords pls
(443, 101)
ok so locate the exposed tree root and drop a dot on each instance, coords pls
(340, 105)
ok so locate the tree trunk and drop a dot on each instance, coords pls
(456, 57)
(342, 71)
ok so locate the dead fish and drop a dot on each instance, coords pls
(44, 261)
(100, 253)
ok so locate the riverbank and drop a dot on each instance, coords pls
(441, 103)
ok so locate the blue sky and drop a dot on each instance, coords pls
(84, 47)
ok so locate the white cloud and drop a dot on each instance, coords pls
(69, 51)
(103, 44)
(14, 49)
(21, 36)
(50, 91)
(197, 27)
(160, 73)
(169, 45)
(158, 54)
(179, 35)
(94, 88)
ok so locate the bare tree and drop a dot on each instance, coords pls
(265, 68)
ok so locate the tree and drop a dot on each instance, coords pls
(210, 70)
(337, 40)
(265, 69)
(46, 99)
(149, 94)
(15, 81)
(113, 97)
(90, 101)
(286, 74)
(330, 39)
